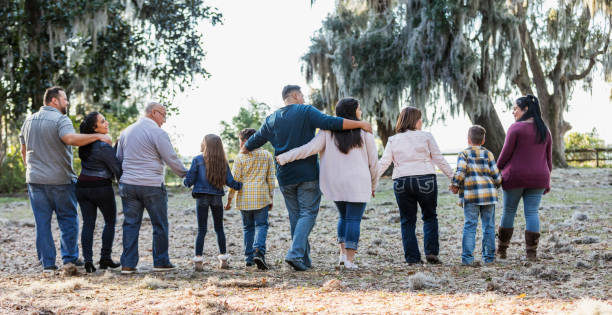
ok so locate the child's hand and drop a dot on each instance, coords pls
(228, 205)
(454, 189)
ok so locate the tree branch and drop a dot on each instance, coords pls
(539, 78)
(592, 62)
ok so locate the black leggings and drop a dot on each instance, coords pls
(90, 199)
(203, 202)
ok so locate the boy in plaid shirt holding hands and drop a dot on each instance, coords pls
(476, 180)
(256, 171)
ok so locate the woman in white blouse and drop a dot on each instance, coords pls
(414, 153)
(347, 175)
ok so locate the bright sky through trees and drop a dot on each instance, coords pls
(257, 51)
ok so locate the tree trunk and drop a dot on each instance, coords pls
(384, 129)
(496, 135)
(552, 113)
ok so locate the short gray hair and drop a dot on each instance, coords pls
(151, 106)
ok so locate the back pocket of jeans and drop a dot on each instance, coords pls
(426, 185)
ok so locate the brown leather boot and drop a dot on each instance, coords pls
(504, 234)
(531, 244)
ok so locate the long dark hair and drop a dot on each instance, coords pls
(533, 111)
(347, 139)
(214, 160)
(88, 125)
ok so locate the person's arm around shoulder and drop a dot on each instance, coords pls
(437, 156)
(314, 146)
(108, 156)
(508, 148)
(168, 155)
(326, 122)
(192, 174)
(386, 159)
(258, 139)
(495, 173)
(68, 135)
(372, 152)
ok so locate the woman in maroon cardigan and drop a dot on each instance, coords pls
(525, 163)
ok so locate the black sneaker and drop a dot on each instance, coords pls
(164, 268)
(108, 263)
(260, 260)
(433, 259)
(50, 269)
(89, 267)
(250, 264)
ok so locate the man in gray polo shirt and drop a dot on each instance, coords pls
(143, 149)
(46, 139)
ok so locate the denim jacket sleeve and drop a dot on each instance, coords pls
(192, 174)
(108, 156)
(229, 180)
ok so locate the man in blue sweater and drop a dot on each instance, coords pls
(290, 127)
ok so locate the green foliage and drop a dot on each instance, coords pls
(108, 54)
(251, 116)
(12, 177)
(586, 140)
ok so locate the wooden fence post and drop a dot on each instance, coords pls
(597, 157)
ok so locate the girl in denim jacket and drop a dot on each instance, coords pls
(208, 174)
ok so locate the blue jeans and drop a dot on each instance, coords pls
(215, 203)
(255, 231)
(349, 221)
(90, 199)
(410, 191)
(135, 199)
(487, 216)
(302, 201)
(531, 204)
(45, 199)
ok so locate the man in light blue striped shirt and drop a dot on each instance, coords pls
(143, 149)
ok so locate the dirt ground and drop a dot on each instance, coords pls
(574, 274)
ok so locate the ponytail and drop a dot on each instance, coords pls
(533, 111)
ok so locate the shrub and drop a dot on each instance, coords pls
(12, 177)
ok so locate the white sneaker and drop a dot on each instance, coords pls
(350, 265)
(341, 259)
(223, 261)
(198, 263)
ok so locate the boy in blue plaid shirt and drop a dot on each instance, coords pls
(476, 180)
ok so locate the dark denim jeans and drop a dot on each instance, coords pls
(135, 199)
(255, 231)
(302, 201)
(410, 191)
(487, 216)
(45, 199)
(215, 203)
(90, 200)
(349, 221)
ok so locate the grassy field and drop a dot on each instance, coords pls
(574, 274)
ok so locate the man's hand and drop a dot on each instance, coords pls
(366, 126)
(105, 138)
(243, 149)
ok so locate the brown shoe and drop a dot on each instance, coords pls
(531, 244)
(504, 234)
(127, 270)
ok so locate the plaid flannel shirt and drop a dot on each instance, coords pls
(256, 171)
(477, 176)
